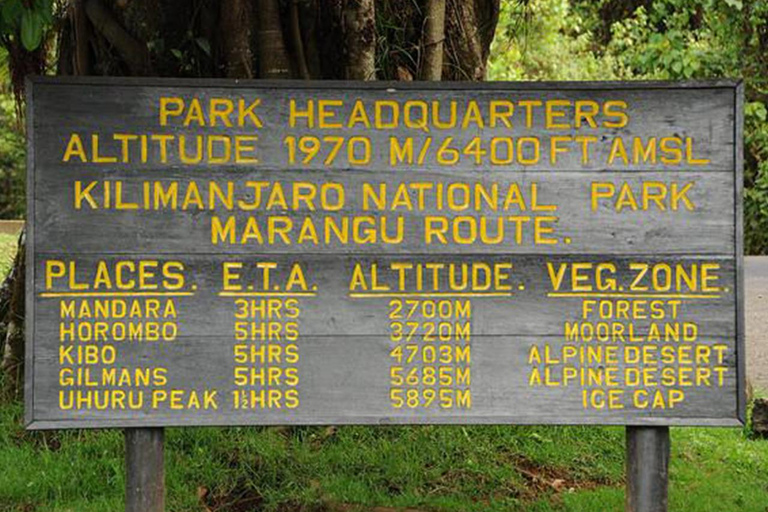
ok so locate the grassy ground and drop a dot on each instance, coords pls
(537, 469)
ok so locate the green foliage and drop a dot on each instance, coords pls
(545, 40)
(664, 40)
(756, 177)
(192, 55)
(674, 53)
(12, 161)
(24, 25)
(27, 20)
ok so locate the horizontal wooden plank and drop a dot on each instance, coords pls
(497, 203)
(351, 376)
(498, 295)
(704, 117)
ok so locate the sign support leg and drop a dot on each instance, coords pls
(647, 469)
(144, 470)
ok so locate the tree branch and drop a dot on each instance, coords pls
(133, 52)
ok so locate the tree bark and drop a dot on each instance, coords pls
(309, 20)
(358, 18)
(236, 18)
(12, 297)
(273, 57)
(434, 35)
(468, 38)
(297, 42)
(82, 60)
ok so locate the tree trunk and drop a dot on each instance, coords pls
(359, 39)
(12, 299)
(469, 39)
(329, 39)
(434, 35)
(82, 53)
(235, 28)
(273, 57)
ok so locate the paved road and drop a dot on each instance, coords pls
(756, 298)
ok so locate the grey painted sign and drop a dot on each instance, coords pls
(252, 253)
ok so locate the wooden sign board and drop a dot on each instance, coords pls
(254, 253)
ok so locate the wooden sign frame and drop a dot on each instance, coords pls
(36, 335)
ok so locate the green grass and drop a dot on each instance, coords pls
(7, 252)
(538, 469)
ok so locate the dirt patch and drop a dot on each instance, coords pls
(343, 507)
(49, 440)
(17, 507)
(246, 499)
(11, 227)
(543, 480)
(241, 498)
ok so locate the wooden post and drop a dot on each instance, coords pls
(144, 470)
(647, 469)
